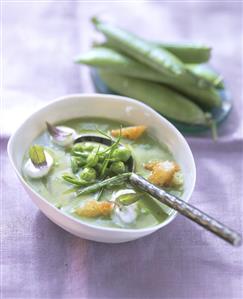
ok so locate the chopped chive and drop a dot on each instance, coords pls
(103, 133)
(100, 194)
(112, 148)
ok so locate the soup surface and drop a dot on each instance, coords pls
(142, 212)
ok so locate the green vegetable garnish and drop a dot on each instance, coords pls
(78, 147)
(116, 180)
(74, 165)
(118, 167)
(128, 199)
(110, 150)
(98, 164)
(37, 155)
(74, 180)
(92, 159)
(122, 154)
(88, 174)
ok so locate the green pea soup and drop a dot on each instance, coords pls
(58, 192)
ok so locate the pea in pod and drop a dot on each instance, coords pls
(156, 58)
(188, 53)
(117, 62)
(166, 101)
(208, 74)
(111, 59)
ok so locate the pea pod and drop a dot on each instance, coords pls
(111, 59)
(188, 53)
(207, 73)
(156, 58)
(166, 101)
(114, 61)
(74, 165)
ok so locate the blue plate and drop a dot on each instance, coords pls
(219, 114)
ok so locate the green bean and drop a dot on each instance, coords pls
(188, 53)
(166, 101)
(120, 178)
(153, 56)
(114, 61)
(208, 74)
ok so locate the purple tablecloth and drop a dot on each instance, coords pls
(39, 259)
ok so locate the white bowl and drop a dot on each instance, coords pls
(107, 106)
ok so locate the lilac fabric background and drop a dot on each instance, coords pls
(39, 259)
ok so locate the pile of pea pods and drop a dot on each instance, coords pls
(171, 78)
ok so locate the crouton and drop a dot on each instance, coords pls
(94, 209)
(150, 165)
(163, 172)
(132, 133)
(177, 180)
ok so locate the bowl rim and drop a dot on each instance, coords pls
(91, 96)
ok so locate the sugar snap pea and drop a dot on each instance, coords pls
(166, 101)
(153, 56)
(188, 53)
(207, 73)
(111, 59)
(117, 62)
(201, 70)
